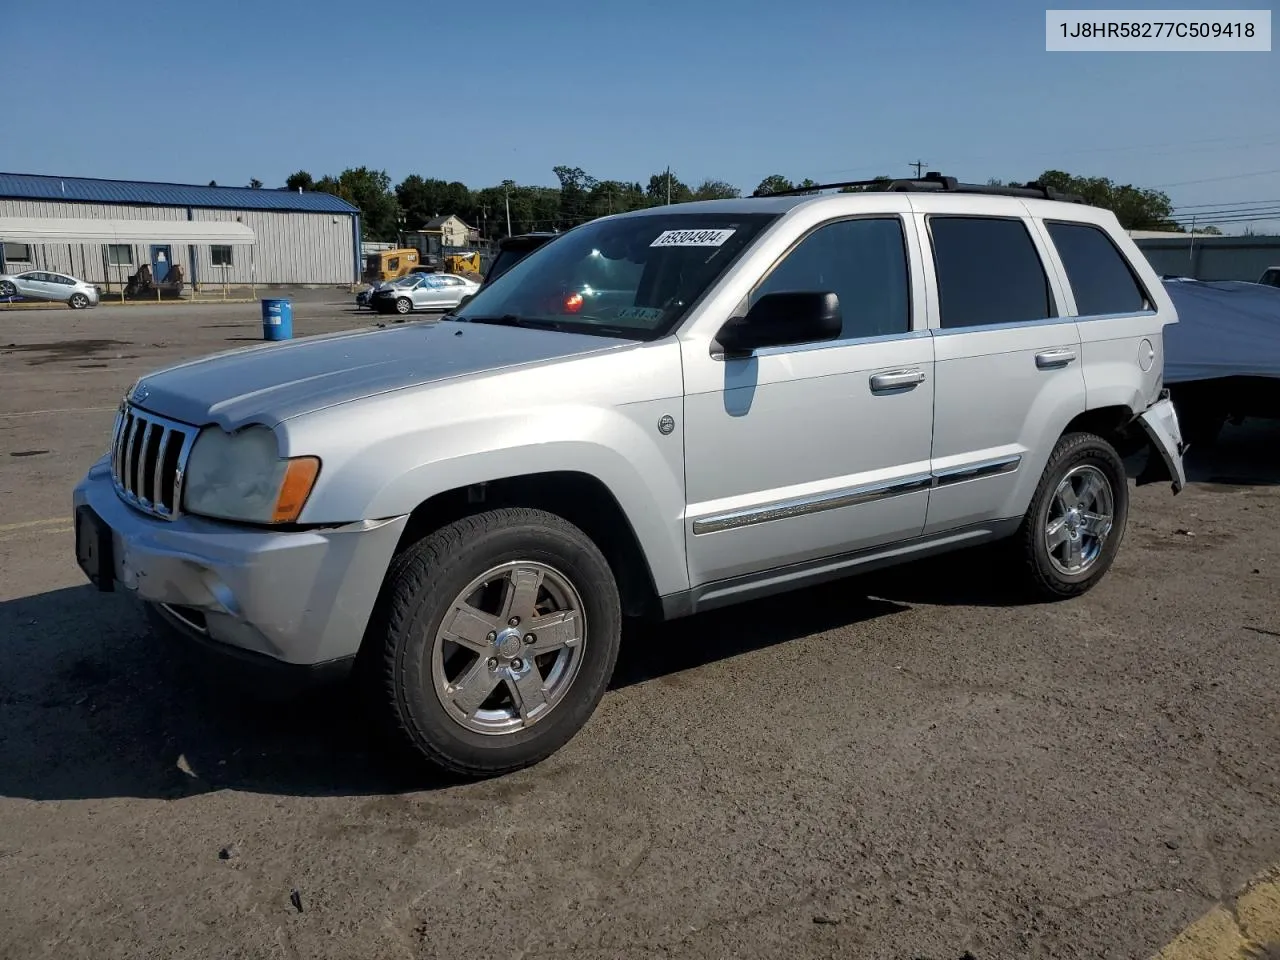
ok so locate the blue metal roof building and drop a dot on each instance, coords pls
(310, 239)
(29, 186)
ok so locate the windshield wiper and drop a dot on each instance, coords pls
(513, 320)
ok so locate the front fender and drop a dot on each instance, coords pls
(385, 456)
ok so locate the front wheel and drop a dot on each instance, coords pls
(498, 635)
(404, 305)
(1072, 531)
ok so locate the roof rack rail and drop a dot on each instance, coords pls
(932, 182)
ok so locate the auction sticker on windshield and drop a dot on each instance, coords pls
(692, 238)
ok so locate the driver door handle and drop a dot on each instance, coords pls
(896, 380)
(1049, 359)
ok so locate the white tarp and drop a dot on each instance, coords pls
(69, 230)
(1225, 328)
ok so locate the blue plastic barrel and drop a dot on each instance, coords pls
(277, 319)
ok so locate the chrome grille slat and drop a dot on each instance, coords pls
(144, 473)
(128, 474)
(157, 475)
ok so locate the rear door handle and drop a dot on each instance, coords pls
(896, 379)
(1049, 359)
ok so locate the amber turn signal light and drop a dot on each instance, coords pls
(299, 477)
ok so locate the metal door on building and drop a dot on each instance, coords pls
(161, 257)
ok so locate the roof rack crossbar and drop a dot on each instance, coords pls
(932, 182)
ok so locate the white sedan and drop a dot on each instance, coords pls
(422, 291)
(46, 285)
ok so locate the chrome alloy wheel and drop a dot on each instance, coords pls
(1081, 515)
(509, 647)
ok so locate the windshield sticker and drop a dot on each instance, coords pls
(692, 238)
(640, 313)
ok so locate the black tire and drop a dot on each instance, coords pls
(1041, 575)
(404, 305)
(78, 301)
(421, 587)
(7, 289)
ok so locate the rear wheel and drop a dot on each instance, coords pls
(1073, 528)
(78, 301)
(498, 636)
(7, 289)
(404, 305)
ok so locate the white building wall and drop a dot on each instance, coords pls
(292, 247)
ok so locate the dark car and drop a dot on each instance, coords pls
(511, 251)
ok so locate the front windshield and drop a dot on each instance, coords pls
(632, 276)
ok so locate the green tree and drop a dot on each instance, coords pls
(576, 186)
(664, 185)
(299, 181)
(370, 191)
(1211, 230)
(255, 184)
(715, 190)
(213, 183)
(1135, 207)
(774, 183)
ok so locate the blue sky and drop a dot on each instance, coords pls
(736, 90)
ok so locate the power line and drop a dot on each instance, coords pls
(1221, 203)
(919, 165)
(1232, 176)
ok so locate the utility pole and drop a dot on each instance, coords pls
(919, 165)
(668, 185)
(506, 196)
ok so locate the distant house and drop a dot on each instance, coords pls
(450, 231)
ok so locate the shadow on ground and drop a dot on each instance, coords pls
(93, 705)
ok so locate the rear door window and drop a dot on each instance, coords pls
(989, 271)
(1100, 277)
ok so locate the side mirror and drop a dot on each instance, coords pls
(781, 320)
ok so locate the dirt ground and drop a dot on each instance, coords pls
(912, 765)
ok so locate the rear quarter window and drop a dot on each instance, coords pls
(1100, 276)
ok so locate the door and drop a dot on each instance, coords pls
(433, 290)
(1008, 362)
(801, 453)
(34, 285)
(161, 258)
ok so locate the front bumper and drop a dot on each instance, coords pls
(299, 597)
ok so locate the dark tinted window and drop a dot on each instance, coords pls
(863, 262)
(988, 272)
(1271, 278)
(1099, 276)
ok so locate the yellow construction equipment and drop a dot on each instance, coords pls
(462, 263)
(389, 264)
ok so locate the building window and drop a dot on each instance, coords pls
(18, 251)
(221, 255)
(120, 255)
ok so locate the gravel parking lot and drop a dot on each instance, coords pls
(911, 765)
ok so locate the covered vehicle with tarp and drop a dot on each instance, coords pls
(1222, 357)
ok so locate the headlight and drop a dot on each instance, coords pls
(240, 476)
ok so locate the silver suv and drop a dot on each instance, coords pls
(656, 413)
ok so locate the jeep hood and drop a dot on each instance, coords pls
(273, 382)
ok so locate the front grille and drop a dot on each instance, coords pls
(148, 458)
